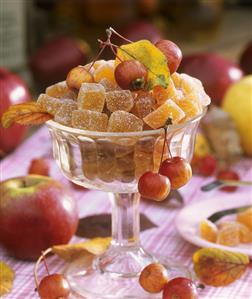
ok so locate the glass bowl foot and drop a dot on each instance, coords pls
(88, 281)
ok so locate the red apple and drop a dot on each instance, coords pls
(36, 212)
(52, 62)
(215, 72)
(13, 91)
(246, 59)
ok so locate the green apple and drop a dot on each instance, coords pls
(36, 212)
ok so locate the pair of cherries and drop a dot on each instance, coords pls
(173, 173)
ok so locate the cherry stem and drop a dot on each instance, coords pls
(35, 272)
(166, 126)
(119, 35)
(97, 57)
(108, 43)
(45, 264)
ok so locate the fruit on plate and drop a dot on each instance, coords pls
(245, 218)
(180, 288)
(206, 165)
(55, 58)
(39, 166)
(36, 212)
(215, 72)
(13, 91)
(208, 230)
(153, 278)
(238, 103)
(246, 59)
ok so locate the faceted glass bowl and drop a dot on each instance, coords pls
(113, 162)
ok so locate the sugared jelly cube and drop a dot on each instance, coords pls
(64, 114)
(122, 121)
(91, 97)
(144, 104)
(89, 120)
(158, 118)
(105, 70)
(61, 90)
(119, 100)
(52, 105)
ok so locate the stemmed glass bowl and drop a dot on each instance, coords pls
(113, 162)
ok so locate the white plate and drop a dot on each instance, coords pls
(187, 221)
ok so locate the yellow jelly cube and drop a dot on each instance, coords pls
(208, 230)
(89, 120)
(64, 114)
(122, 121)
(245, 218)
(61, 90)
(91, 97)
(228, 236)
(52, 105)
(119, 100)
(105, 70)
(158, 118)
(191, 107)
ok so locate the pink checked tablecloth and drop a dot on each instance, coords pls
(163, 239)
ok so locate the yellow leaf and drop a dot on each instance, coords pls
(219, 267)
(24, 113)
(151, 57)
(69, 252)
(7, 276)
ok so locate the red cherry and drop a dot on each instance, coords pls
(180, 288)
(154, 186)
(54, 286)
(131, 74)
(228, 175)
(207, 165)
(39, 166)
(177, 170)
(172, 53)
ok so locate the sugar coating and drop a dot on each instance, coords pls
(119, 100)
(144, 104)
(122, 121)
(60, 90)
(52, 105)
(89, 120)
(64, 114)
(162, 95)
(157, 118)
(108, 85)
(191, 107)
(91, 97)
(105, 70)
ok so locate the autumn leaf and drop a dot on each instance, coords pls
(26, 114)
(69, 252)
(151, 57)
(219, 267)
(7, 276)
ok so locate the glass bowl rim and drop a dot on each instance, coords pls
(55, 125)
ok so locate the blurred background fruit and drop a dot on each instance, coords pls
(55, 58)
(215, 72)
(246, 59)
(36, 212)
(13, 90)
(238, 103)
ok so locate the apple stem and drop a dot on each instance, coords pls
(35, 272)
(119, 35)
